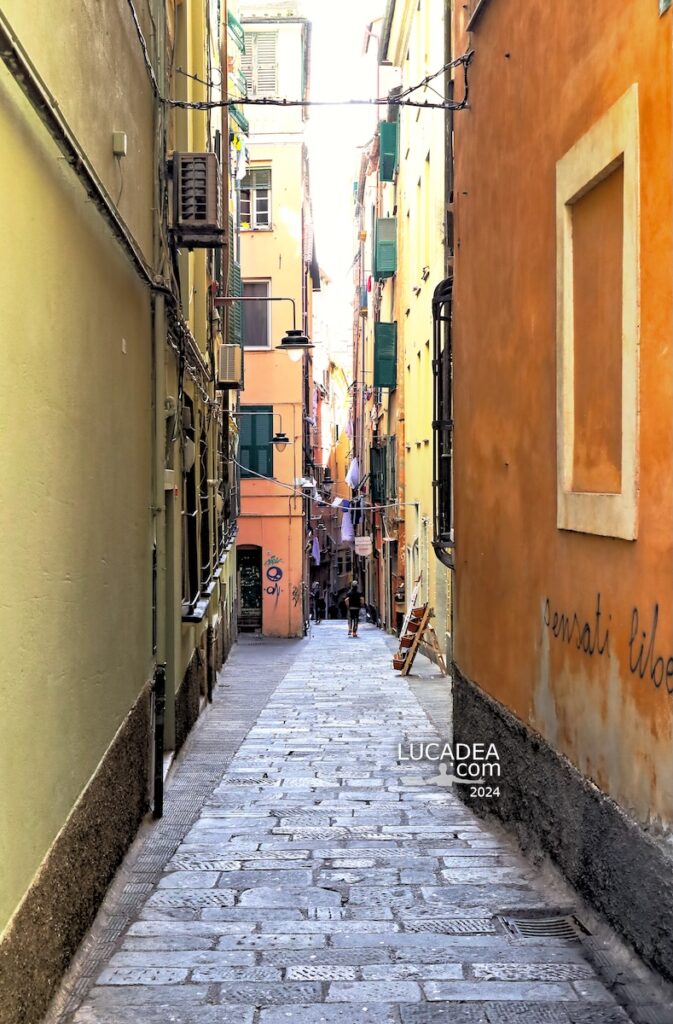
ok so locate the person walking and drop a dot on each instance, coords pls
(315, 594)
(354, 601)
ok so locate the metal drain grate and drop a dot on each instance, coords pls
(563, 926)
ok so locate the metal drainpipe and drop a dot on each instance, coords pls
(159, 508)
(159, 445)
(210, 661)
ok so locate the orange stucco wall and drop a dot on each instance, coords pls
(272, 516)
(542, 75)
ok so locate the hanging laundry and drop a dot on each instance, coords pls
(353, 474)
(347, 534)
(315, 551)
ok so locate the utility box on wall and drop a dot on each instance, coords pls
(230, 366)
(197, 200)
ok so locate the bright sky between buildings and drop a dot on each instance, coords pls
(336, 135)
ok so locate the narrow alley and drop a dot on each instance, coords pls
(303, 872)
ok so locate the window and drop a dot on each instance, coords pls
(259, 63)
(344, 563)
(256, 314)
(389, 140)
(383, 470)
(385, 355)
(190, 512)
(597, 188)
(442, 423)
(204, 510)
(385, 247)
(255, 199)
(255, 440)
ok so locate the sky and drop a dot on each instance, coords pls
(336, 135)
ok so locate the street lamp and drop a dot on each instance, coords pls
(280, 440)
(294, 341)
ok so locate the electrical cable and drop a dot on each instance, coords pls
(146, 55)
(298, 492)
(400, 100)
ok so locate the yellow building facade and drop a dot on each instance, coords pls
(401, 198)
(413, 40)
(110, 406)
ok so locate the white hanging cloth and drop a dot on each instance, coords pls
(353, 475)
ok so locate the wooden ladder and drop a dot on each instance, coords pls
(424, 635)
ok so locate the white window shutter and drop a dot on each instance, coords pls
(266, 64)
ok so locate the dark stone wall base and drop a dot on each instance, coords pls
(188, 696)
(62, 902)
(617, 867)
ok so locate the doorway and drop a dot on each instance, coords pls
(249, 577)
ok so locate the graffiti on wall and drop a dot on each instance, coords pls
(591, 636)
(572, 629)
(274, 575)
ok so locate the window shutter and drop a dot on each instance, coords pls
(385, 355)
(246, 62)
(266, 66)
(256, 450)
(385, 247)
(388, 136)
(378, 490)
(234, 287)
(236, 30)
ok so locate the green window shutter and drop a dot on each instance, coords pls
(239, 117)
(256, 450)
(236, 30)
(378, 493)
(234, 287)
(237, 317)
(391, 468)
(388, 137)
(385, 248)
(385, 355)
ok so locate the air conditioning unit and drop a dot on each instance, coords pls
(230, 370)
(197, 200)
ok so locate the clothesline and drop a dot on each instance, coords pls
(298, 492)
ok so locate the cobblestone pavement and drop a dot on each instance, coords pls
(325, 881)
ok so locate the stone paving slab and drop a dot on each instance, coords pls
(326, 882)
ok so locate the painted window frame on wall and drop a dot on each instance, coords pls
(255, 447)
(611, 141)
(255, 199)
(251, 308)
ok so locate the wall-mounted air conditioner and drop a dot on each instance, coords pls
(230, 369)
(197, 200)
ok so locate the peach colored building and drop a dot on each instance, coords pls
(563, 391)
(277, 263)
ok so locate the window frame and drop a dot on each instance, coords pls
(250, 63)
(253, 223)
(612, 140)
(442, 424)
(250, 419)
(267, 308)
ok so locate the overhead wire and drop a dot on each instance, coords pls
(298, 492)
(399, 100)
